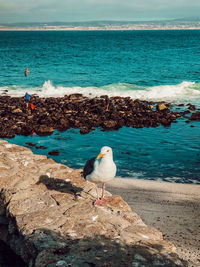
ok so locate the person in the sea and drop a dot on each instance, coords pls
(26, 71)
(27, 97)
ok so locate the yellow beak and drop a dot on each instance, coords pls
(100, 156)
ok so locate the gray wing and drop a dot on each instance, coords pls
(89, 167)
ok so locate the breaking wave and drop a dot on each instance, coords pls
(179, 93)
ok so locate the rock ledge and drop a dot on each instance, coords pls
(47, 217)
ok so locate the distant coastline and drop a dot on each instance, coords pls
(104, 25)
(94, 29)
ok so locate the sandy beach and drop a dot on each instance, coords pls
(174, 209)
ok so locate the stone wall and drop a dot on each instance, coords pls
(47, 217)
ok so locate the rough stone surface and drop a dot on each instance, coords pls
(78, 111)
(161, 107)
(195, 116)
(47, 217)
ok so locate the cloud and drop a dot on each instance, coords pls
(79, 10)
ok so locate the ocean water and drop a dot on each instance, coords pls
(149, 65)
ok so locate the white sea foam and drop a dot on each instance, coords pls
(183, 92)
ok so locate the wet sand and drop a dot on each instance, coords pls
(174, 209)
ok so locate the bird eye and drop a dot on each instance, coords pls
(108, 150)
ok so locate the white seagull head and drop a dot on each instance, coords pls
(106, 152)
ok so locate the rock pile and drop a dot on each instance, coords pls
(195, 116)
(47, 217)
(77, 111)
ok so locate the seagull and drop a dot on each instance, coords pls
(100, 170)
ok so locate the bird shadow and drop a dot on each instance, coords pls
(59, 185)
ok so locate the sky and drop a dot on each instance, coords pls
(12, 11)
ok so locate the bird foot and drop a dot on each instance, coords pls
(102, 201)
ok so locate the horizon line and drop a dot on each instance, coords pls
(105, 20)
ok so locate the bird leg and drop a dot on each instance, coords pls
(102, 200)
(103, 188)
(97, 192)
(98, 201)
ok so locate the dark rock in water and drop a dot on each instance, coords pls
(44, 130)
(121, 122)
(165, 122)
(195, 116)
(185, 112)
(63, 124)
(111, 124)
(160, 107)
(191, 107)
(7, 133)
(26, 130)
(84, 130)
(30, 144)
(75, 96)
(41, 147)
(77, 111)
(53, 153)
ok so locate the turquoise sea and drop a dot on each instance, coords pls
(150, 65)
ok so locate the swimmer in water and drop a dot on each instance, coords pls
(26, 71)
